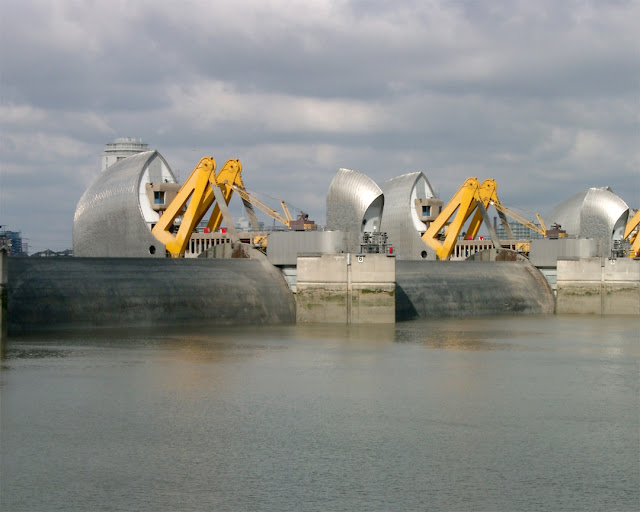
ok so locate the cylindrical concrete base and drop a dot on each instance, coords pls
(426, 289)
(61, 293)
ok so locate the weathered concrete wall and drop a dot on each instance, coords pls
(57, 293)
(599, 286)
(427, 289)
(346, 288)
(545, 252)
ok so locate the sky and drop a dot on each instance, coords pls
(542, 96)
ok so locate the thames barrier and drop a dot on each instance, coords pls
(146, 254)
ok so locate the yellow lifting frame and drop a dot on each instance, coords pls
(254, 201)
(287, 214)
(460, 207)
(198, 191)
(542, 229)
(632, 233)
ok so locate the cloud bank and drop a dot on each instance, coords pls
(540, 95)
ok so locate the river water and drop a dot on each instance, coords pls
(498, 414)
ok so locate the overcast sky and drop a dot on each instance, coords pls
(542, 96)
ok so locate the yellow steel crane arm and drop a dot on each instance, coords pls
(230, 174)
(262, 206)
(287, 214)
(632, 233)
(519, 218)
(198, 192)
(464, 203)
(485, 194)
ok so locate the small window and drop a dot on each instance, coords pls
(426, 210)
(158, 197)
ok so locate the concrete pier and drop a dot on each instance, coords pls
(346, 288)
(64, 293)
(599, 286)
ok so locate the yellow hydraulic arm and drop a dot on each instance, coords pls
(287, 214)
(460, 207)
(485, 195)
(198, 191)
(525, 222)
(632, 233)
(286, 219)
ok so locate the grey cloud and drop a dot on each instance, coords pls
(501, 89)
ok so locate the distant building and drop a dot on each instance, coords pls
(520, 231)
(48, 253)
(122, 148)
(13, 240)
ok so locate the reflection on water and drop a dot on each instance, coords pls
(509, 413)
(452, 339)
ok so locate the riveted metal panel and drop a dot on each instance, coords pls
(567, 214)
(400, 220)
(592, 213)
(109, 220)
(349, 199)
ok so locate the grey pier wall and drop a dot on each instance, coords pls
(346, 288)
(377, 289)
(51, 293)
(599, 286)
(64, 293)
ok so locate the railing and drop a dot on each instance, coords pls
(374, 243)
(465, 248)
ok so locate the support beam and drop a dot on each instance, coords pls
(255, 225)
(492, 232)
(507, 226)
(222, 204)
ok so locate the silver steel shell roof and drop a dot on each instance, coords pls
(400, 220)
(110, 220)
(593, 213)
(349, 198)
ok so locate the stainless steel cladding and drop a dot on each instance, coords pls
(401, 220)
(114, 216)
(596, 213)
(354, 204)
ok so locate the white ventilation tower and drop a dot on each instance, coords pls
(122, 148)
